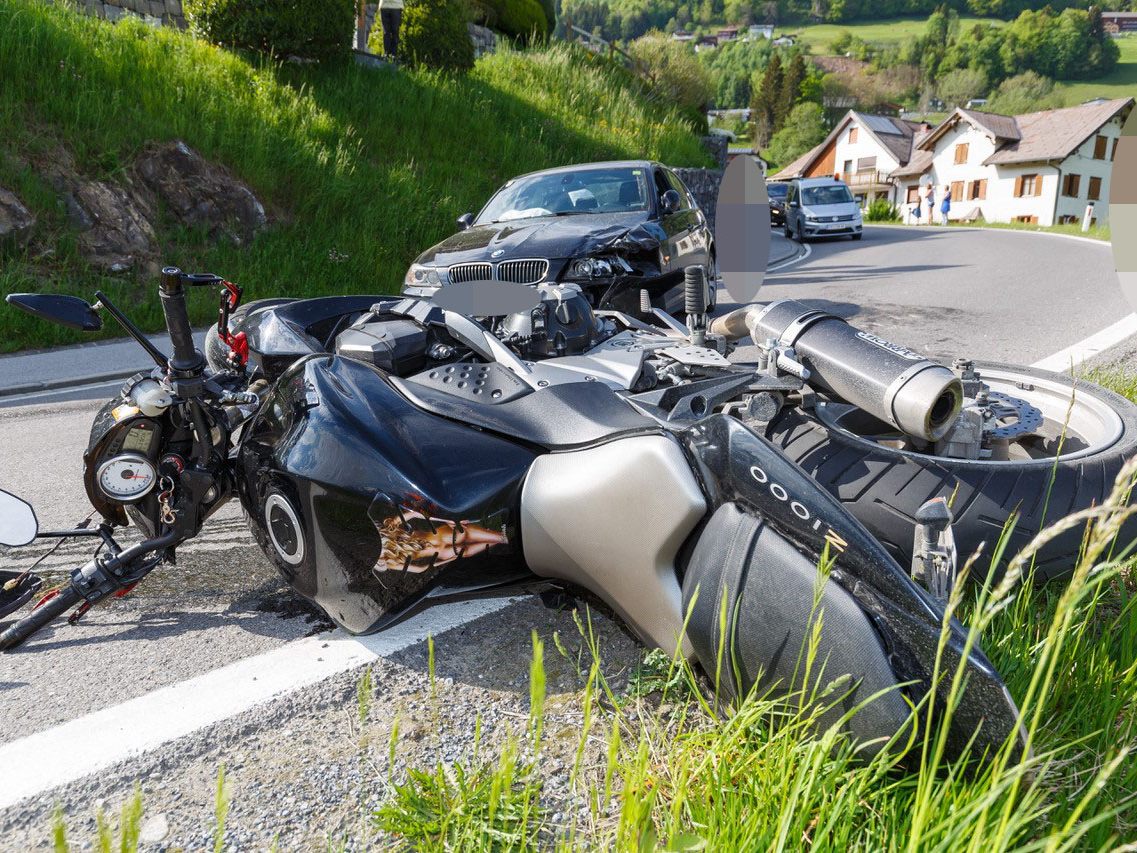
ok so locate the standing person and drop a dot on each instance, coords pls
(931, 199)
(945, 205)
(390, 16)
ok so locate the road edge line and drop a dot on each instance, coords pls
(85, 745)
(1079, 353)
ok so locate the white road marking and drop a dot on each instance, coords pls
(1077, 354)
(88, 744)
(808, 250)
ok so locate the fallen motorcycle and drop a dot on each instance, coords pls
(391, 452)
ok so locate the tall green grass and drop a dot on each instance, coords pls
(361, 169)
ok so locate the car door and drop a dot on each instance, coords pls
(674, 224)
(696, 245)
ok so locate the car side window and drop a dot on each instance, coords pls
(685, 201)
(791, 194)
(661, 185)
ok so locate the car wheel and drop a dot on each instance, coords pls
(786, 230)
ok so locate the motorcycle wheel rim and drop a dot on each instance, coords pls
(1075, 418)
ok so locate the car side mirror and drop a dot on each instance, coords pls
(465, 221)
(69, 311)
(18, 524)
(669, 201)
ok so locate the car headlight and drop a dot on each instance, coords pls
(812, 219)
(584, 268)
(420, 275)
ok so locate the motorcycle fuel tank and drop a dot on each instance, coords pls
(369, 505)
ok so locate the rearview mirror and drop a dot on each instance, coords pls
(69, 311)
(669, 201)
(18, 525)
(465, 221)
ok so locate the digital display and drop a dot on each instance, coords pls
(139, 439)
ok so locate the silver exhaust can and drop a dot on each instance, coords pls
(903, 388)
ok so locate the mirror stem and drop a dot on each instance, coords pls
(132, 329)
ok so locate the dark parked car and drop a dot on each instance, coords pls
(613, 228)
(778, 192)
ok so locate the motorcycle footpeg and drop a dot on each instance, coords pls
(934, 557)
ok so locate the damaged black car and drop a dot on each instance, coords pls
(612, 228)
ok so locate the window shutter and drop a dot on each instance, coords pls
(983, 188)
(1038, 184)
(1019, 186)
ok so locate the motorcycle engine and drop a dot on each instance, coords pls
(563, 323)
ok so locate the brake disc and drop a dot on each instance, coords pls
(1024, 418)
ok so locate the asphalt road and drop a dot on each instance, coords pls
(990, 294)
(996, 295)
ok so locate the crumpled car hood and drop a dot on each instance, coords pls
(549, 237)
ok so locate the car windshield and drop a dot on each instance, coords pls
(778, 192)
(620, 190)
(817, 196)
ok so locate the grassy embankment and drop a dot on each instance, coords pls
(362, 168)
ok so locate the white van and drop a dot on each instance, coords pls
(821, 207)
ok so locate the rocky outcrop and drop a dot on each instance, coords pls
(112, 219)
(16, 222)
(198, 194)
(118, 221)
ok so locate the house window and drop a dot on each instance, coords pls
(977, 190)
(1067, 220)
(853, 134)
(1101, 144)
(961, 153)
(1026, 185)
(1070, 185)
(1027, 220)
(914, 194)
(866, 164)
(1095, 189)
(957, 190)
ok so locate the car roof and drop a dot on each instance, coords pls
(603, 164)
(819, 182)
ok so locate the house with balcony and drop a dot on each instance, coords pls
(863, 150)
(1043, 168)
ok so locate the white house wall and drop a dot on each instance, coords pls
(1001, 204)
(1083, 164)
(865, 146)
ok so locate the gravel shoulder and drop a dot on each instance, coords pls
(303, 772)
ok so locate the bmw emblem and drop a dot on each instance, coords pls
(497, 253)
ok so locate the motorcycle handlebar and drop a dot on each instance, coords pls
(46, 612)
(186, 358)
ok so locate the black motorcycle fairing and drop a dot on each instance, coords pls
(742, 566)
(738, 466)
(281, 331)
(573, 414)
(392, 501)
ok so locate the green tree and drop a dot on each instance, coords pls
(957, 87)
(764, 99)
(804, 129)
(790, 90)
(673, 70)
(1024, 93)
(433, 34)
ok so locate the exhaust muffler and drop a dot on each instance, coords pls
(901, 387)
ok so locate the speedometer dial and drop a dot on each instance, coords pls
(127, 477)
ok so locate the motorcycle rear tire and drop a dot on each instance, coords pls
(883, 487)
